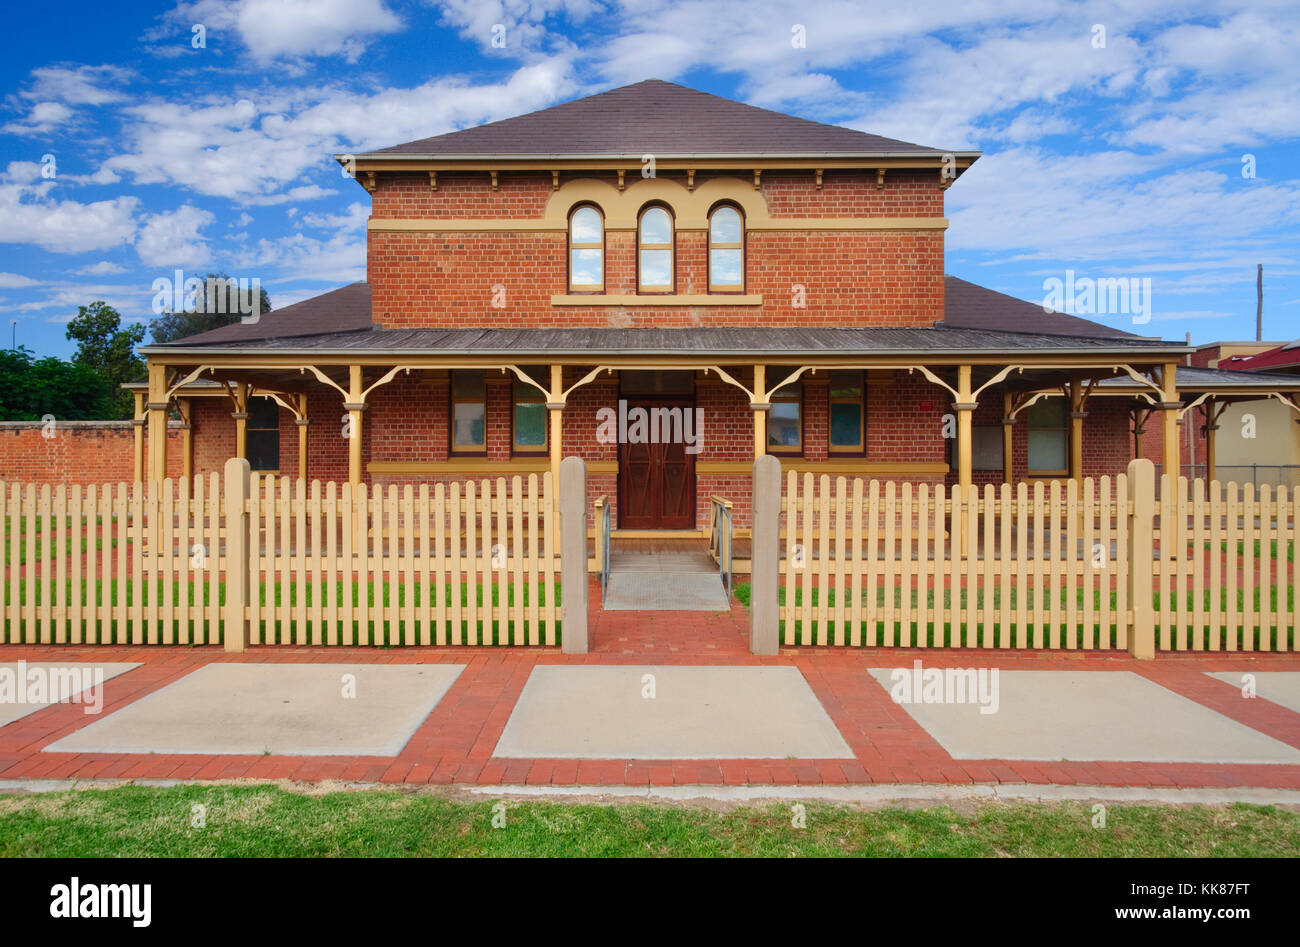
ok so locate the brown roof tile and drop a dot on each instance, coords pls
(342, 310)
(659, 118)
(969, 306)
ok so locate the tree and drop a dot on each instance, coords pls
(31, 389)
(217, 306)
(107, 348)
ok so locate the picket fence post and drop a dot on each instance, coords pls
(235, 614)
(573, 555)
(1141, 554)
(765, 577)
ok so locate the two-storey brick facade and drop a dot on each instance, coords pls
(757, 282)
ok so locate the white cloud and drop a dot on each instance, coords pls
(258, 152)
(172, 238)
(354, 219)
(339, 259)
(291, 29)
(77, 85)
(27, 215)
(16, 281)
(103, 268)
(43, 118)
(1108, 205)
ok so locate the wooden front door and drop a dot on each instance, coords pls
(656, 482)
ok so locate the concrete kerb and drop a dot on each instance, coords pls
(909, 795)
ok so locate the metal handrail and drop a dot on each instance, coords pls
(605, 508)
(720, 540)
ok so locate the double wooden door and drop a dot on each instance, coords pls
(656, 482)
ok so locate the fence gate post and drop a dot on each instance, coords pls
(573, 555)
(764, 579)
(1141, 553)
(234, 615)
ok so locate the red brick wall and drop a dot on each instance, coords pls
(80, 452)
(327, 451)
(848, 278)
(1107, 443)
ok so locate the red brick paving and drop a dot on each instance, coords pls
(455, 743)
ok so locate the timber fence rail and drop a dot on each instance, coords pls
(473, 563)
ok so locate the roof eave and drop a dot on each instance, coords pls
(745, 156)
(406, 352)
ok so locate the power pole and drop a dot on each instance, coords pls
(1259, 302)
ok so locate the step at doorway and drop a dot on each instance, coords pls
(663, 575)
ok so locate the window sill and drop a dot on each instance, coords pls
(660, 299)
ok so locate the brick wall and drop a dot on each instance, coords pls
(848, 278)
(79, 452)
(1107, 443)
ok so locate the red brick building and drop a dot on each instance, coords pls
(667, 284)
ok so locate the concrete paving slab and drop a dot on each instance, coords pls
(1091, 715)
(599, 712)
(289, 709)
(21, 694)
(671, 592)
(1281, 687)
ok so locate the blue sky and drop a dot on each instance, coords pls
(1115, 160)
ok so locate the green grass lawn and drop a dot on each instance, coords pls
(377, 596)
(268, 821)
(16, 552)
(940, 634)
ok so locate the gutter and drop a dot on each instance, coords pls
(744, 156)
(402, 352)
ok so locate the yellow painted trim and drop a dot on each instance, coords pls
(541, 225)
(463, 224)
(842, 466)
(660, 299)
(633, 164)
(479, 465)
(659, 533)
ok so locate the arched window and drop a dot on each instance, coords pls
(726, 250)
(586, 251)
(654, 263)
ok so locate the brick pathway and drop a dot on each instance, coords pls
(455, 743)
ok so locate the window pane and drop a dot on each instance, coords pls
(1050, 412)
(656, 226)
(530, 424)
(1047, 450)
(263, 412)
(846, 384)
(846, 425)
(584, 270)
(724, 225)
(585, 225)
(783, 425)
(656, 267)
(724, 268)
(986, 448)
(467, 385)
(264, 450)
(468, 425)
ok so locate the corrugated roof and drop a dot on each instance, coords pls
(721, 341)
(1284, 356)
(969, 306)
(1195, 380)
(659, 118)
